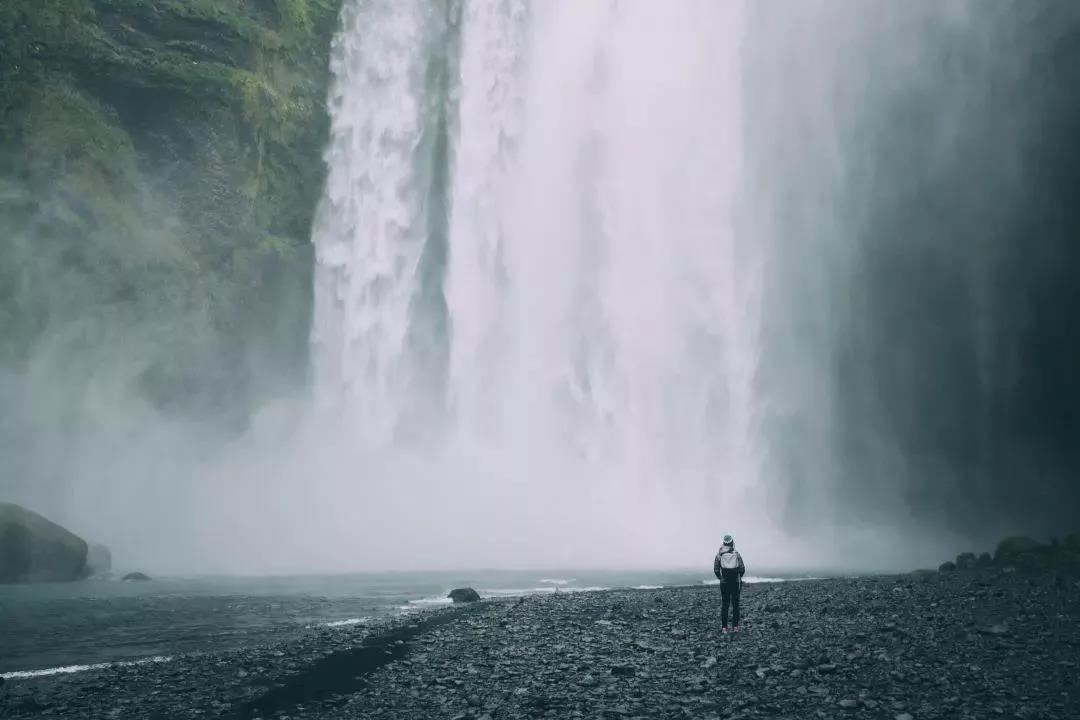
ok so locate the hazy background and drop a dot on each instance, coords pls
(882, 373)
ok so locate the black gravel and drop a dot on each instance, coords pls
(979, 644)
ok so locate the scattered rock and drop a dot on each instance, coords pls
(464, 595)
(549, 658)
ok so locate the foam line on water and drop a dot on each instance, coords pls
(70, 669)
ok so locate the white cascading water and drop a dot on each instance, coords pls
(371, 226)
(601, 310)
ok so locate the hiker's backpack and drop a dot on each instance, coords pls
(729, 563)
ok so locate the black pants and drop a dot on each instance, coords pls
(729, 594)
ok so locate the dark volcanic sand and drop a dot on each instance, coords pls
(961, 645)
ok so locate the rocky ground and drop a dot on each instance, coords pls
(978, 644)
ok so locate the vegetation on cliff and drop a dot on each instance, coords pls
(160, 162)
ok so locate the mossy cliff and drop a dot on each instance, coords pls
(160, 162)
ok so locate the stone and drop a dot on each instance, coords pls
(966, 561)
(947, 567)
(464, 595)
(35, 549)
(136, 577)
(1017, 550)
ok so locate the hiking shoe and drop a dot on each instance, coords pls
(723, 630)
(735, 629)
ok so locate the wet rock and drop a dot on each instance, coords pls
(35, 549)
(1016, 551)
(549, 658)
(136, 577)
(464, 595)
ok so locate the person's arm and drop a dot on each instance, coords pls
(742, 567)
(716, 567)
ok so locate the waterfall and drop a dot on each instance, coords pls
(588, 275)
(602, 313)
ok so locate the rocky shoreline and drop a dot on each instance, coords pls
(975, 644)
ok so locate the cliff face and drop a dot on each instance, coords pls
(160, 162)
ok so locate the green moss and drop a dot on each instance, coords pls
(159, 166)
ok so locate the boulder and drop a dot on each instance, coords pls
(985, 560)
(464, 595)
(1017, 550)
(1025, 554)
(99, 560)
(947, 567)
(966, 561)
(35, 549)
(137, 577)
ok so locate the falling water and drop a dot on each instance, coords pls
(601, 312)
(593, 277)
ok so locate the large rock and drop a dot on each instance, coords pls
(34, 549)
(464, 595)
(966, 561)
(136, 577)
(1017, 550)
(99, 560)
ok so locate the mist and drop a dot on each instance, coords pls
(595, 284)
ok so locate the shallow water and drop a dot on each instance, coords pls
(64, 626)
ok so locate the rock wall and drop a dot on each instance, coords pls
(160, 162)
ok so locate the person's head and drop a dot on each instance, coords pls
(729, 541)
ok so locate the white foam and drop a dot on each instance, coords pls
(648, 587)
(347, 622)
(512, 592)
(69, 669)
(440, 600)
(557, 581)
(751, 580)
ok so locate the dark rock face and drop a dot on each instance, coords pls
(162, 156)
(1014, 550)
(99, 560)
(947, 567)
(137, 577)
(966, 561)
(464, 595)
(34, 549)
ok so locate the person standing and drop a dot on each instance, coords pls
(729, 568)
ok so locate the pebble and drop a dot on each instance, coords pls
(658, 654)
